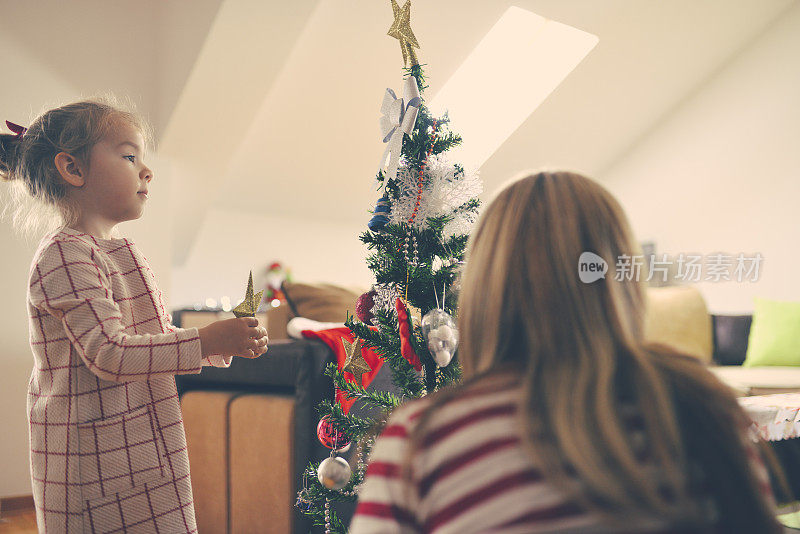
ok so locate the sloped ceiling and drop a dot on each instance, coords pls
(143, 50)
(306, 143)
(268, 106)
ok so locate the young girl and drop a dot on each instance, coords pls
(108, 451)
(566, 421)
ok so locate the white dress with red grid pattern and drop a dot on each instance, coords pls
(108, 450)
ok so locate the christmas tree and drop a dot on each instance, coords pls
(417, 238)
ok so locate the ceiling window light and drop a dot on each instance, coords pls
(514, 68)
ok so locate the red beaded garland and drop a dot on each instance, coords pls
(421, 176)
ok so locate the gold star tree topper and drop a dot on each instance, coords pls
(354, 361)
(249, 305)
(401, 30)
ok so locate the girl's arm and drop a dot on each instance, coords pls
(213, 360)
(68, 283)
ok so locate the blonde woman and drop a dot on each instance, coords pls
(566, 420)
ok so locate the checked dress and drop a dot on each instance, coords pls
(108, 450)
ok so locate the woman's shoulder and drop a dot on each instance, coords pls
(686, 374)
(405, 415)
(493, 395)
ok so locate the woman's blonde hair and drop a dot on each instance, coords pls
(38, 193)
(581, 351)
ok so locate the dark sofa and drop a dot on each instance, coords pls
(295, 369)
(730, 334)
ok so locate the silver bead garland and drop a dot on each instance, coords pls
(361, 466)
(327, 516)
(411, 249)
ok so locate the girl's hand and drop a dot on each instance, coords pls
(234, 337)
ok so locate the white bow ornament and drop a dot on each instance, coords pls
(399, 117)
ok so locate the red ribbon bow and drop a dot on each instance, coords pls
(404, 326)
(17, 129)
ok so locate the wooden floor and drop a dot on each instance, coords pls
(24, 522)
(18, 522)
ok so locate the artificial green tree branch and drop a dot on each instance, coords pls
(384, 399)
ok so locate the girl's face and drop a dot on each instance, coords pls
(117, 181)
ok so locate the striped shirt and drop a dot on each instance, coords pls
(471, 474)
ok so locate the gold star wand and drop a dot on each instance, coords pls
(354, 361)
(401, 30)
(249, 305)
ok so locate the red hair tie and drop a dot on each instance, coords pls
(17, 129)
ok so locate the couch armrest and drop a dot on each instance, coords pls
(292, 368)
(295, 369)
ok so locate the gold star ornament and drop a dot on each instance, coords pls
(401, 30)
(354, 361)
(249, 305)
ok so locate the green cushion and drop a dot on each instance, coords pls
(774, 335)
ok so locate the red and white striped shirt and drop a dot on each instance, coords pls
(470, 474)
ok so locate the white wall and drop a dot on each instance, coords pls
(230, 244)
(147, 60)
(722, 173)
(40, 73)
(15, 364)
(38, 83)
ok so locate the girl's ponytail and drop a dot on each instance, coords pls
(10, 149)
(38, 197)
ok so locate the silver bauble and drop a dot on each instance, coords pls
(334, 473)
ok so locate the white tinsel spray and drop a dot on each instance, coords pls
(445, 187)
(385, 297)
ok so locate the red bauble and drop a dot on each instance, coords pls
(364, 307)
(331, 437)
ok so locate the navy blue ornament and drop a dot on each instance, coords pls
(381, 214)
(303, 501)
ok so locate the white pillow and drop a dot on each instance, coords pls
(296, 326)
